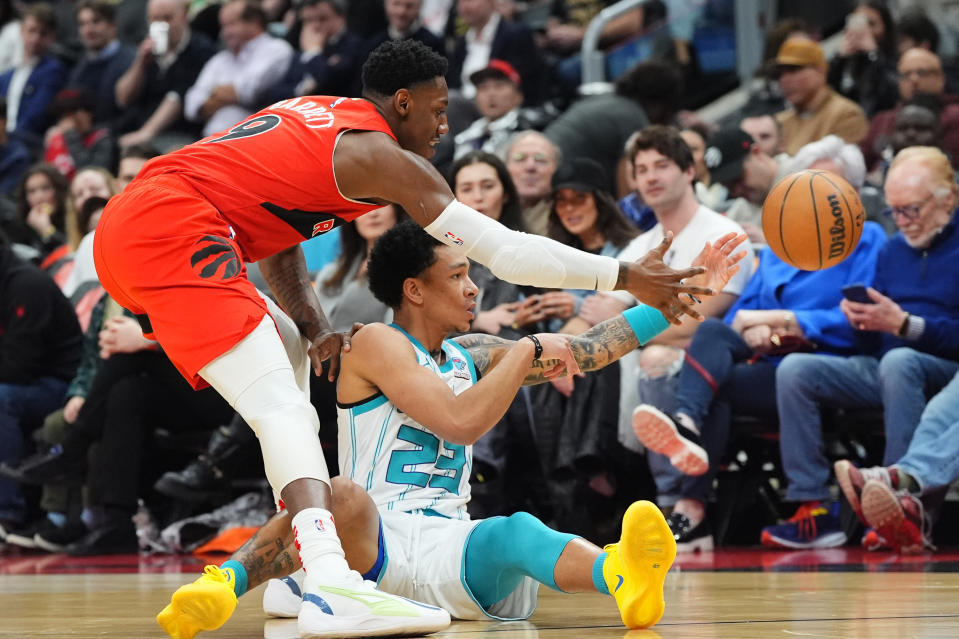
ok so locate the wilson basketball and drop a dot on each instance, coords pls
(812, 219)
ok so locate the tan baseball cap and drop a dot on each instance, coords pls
(801, 52)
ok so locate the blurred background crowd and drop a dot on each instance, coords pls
(602, 125)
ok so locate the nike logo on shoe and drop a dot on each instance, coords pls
(620, 577)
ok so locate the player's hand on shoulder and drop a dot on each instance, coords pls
(330, 345)
(370, 345)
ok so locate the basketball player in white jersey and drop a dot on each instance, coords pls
(411, 404)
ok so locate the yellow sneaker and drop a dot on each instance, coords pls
(205, 604)
(636, 567)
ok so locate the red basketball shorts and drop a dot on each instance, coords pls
(166, 254)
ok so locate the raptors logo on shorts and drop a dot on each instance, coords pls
(215, 257)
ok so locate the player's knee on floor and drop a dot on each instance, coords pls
(524, 543)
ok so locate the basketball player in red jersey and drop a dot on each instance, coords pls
(172, 247)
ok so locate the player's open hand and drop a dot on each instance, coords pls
(329, 346)
(720, 261)
(655, 284)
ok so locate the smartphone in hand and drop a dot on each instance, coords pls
(857, 293)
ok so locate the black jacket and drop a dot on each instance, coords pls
(422, 34)
(512, 42)
(177, 78)
(39, 332)
(336, 71)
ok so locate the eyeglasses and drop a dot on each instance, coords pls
(922, 74)
(910, 211)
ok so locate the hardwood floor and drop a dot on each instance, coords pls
(706, 605)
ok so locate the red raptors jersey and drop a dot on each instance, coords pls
(271, 176)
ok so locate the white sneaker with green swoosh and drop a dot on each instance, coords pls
(358, 609)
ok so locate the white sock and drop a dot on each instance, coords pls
(320, 550)
(298, 577)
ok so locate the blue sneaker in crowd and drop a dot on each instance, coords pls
(815, 525)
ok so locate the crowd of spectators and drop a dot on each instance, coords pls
(92, 90)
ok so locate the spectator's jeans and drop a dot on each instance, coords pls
(741, 388)
(933, 455)
(661, 393)
(22, 408)
(900, 384)
(717, 348)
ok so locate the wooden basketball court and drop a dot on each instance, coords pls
(745, 594)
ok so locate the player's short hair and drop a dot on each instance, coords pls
(664, 139)
(404, 251)
(399, 64)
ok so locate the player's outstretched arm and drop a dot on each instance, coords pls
(600, 346)
(606, 342)
(371, 166)
(383, 360)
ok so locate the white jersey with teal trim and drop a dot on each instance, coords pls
(402, 464)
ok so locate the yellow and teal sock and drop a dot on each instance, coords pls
(598, 580)
(239, 576)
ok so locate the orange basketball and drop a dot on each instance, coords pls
(812, 219)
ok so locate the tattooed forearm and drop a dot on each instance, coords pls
(604, 343)
(485, 349)
(286, 274)
(598, 347)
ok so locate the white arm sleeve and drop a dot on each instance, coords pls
(521, 258)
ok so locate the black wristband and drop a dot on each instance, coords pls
(904, 328)
(539, 347)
